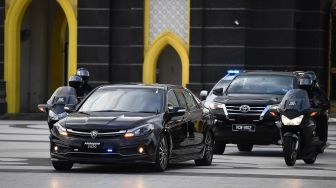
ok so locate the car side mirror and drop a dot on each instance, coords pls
(203, 94)
(69, 108)
(43, 107)
(218, 91)
(176, 111)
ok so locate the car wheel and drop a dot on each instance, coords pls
(62, 165)
(219, 147)
(206, 160)
(162, 156)
(245, 147)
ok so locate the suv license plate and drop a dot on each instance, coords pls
(243, 127)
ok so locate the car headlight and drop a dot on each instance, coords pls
(138, 131)
(53, 115)
(294, 121)
(61, 130)
(215, 105)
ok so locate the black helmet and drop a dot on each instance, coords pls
(84, 73)
(75, 81)
(305, 82)
(312, 75)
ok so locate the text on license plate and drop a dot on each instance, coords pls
(92, 145)
(243, 127)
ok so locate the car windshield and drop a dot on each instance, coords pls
(222, 84)
(144, 100)
(261, 84)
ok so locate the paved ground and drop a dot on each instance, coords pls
(24, 162)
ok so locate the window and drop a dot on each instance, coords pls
(261, 84)
(124, 99)
(171, 99)
(181, 98)
(192, 106)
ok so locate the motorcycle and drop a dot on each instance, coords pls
(296, 120)
(63, 99)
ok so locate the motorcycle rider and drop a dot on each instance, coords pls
(320, 101)
(77, 82)
(85, 75)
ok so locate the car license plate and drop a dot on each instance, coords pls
(243, 127)
(92, 145)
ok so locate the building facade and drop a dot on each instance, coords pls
(187, 42)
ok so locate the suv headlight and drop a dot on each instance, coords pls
(138, 131)
(295, 121)
(215, 105)
(61, 130)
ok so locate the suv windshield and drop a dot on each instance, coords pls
(261, 84)
(147, 100)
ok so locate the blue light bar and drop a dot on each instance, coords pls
(109, 150)
(233, 71)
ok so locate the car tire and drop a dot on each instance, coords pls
(219, 148)
(162, 155)
(62, 165)
(245, 147)
(206, 160)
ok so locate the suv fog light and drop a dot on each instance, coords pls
(141, 150)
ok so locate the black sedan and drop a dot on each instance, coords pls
(154, 124)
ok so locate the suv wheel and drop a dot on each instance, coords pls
(219, 147)
(62, 165)
(245, 147)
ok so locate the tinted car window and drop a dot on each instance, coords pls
(190, 101)
(172, 100)
(124, 99)
(181, 98)
(261, 84)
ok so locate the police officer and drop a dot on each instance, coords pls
(77, 82)
(319, 100)
(85, 75)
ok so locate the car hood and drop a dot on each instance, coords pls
(248, 99)
(112, 121)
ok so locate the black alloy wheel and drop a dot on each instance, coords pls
(62, 165)
(290, 150)
(206, 160)
(162, 155)
(219, 147)
(245, 147)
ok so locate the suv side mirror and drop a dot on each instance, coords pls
(218, 91)
(176, 111)
(203, 94)
(43, 107)
(69, 108)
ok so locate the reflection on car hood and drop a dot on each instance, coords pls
(113, 121)
(247, 99)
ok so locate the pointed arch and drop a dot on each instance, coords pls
(13, 21)
(154, 51)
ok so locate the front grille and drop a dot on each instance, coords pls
(100, 133)
(253, 110)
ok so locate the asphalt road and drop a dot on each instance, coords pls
(24, 162)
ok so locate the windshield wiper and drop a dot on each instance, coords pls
(82, 112)
(146, 112)
(110, 111)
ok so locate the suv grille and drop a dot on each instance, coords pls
(245, 110)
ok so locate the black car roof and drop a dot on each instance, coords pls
(155, 86)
